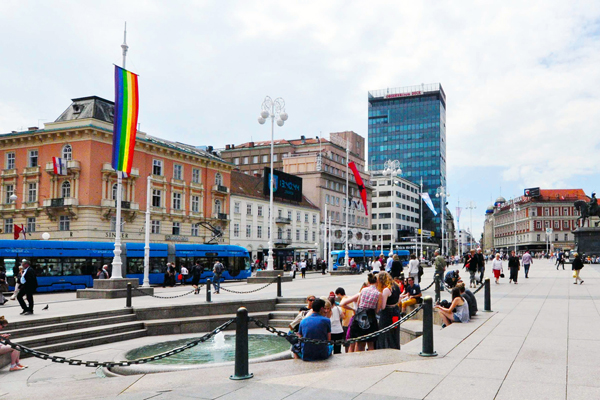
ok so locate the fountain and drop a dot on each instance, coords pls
(219, 341)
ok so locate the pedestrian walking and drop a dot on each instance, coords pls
(396, 267)
(184, 274)
(28, 287)
(303, 268)
(514, 266)
(294, 269)
(527, 261)
(196, 274)
(103, 272)
(471, 264)
(413, 268)
(17, 283)
(497, 267)
(577, 266)
(388, 264)
(376, 266)
(480, 264)
(218, 270)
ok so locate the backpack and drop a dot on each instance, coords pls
(218, 269)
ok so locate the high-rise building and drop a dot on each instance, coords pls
(408, 124)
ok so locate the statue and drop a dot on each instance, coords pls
(587, 209)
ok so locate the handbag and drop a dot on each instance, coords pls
(362, 319)
(501, 274)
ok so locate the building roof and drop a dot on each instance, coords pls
(279, 142)
(562, 194)
(252, 186)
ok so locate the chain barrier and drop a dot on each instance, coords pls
(365, 338)
(247, 291)
(168, 297)
(432, 283)
(479, 288)
(110, 364)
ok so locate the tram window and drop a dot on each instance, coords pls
(9, 265)
(237, 265)
(75, 266)
(158, 265)
(204, 263)
(135, 265)
(47, 266)
(181, 261)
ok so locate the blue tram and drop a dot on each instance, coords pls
(362, 256)
(69, 265)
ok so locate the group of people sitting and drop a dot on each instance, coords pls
(380, 302)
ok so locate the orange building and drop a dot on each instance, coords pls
(189, 186)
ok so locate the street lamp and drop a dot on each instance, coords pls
(441, 192)
(272, 109)
(12, 198)
(472, 206)
(391, 167)
(515, 209)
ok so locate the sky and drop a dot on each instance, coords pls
(521, 78)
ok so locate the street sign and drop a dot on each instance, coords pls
(548, 231)
(426, 233)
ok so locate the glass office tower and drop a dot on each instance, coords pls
(408, 124)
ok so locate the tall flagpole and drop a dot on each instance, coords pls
(329, 261)
(117, 272)
(421, 219)
(146, 282)
(325, 235)
(347, 200)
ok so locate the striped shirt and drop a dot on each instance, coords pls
(369, 298)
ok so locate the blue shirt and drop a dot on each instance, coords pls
(315, 327)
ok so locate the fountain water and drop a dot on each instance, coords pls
(219, 341)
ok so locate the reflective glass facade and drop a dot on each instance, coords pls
(409, 125)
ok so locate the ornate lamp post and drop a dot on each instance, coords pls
(472, 206)
(441, 192)
(391, 167)
(272, 109)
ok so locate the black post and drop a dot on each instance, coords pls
(437, 287)
(279, 286)
(427, 349)
(129, 289)
(487, 307)
(241, 346)
(208, 294)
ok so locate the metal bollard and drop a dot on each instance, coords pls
(438, 296)
(427, 349)
(129, 290)
(487, 305)
(241, 346)
(279, 286)
(208, 293)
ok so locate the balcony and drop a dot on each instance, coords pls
(31, 171)
(9, 173)
(125, 205)
(283, 220)
(107, 167)
(220, 189)
(72, 165)
(61, 202)
(282, 242)
(196, 185)
(8, 207)
(221, 216)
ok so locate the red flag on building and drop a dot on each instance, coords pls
(361, 186)
(17, 231)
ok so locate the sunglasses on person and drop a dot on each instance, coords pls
(311, 299)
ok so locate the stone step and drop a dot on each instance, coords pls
(265, 280)
(82, 343)
(280, 323)
(295, 300)
(65, 318)
(80, 334)
(68, 326)
(289, 306)
(283, 314)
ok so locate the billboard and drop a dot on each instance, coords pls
(286, 186)
(532, 192)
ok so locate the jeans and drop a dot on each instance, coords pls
(481, 274)
(217, 283)
(526, 267)
(473, 280)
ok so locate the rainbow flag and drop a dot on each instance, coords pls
(125, 119)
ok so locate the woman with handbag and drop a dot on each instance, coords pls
(471, 266)
(577, 266)
(365, 319)
(497, 267)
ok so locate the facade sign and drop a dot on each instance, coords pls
(285, 186)
(532, 192)
(391, 96)
(176, 238)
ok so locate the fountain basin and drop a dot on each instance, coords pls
(214, 353)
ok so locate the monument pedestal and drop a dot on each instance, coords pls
(268, 276)
(587, 241)
(113, 289)
(342, 271)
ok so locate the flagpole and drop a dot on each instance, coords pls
(347, 201)
(146, 282)
(421, 218)
(117, 272)
(329, 264)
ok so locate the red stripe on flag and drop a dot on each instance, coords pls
(361, 186)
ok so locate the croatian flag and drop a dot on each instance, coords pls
(60, 166)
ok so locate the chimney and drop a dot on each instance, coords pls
(251, 144)
(303, 139)
(209, 149)
(226, 147)
(32, 128)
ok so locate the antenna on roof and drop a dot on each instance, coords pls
(124, 46)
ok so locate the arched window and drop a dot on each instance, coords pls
(114, 192)
(218, 206)
(66, 189)
(218, 179)
(67, 152)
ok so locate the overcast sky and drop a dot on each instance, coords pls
(521, 78)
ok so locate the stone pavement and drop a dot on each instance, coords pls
(540, 342)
